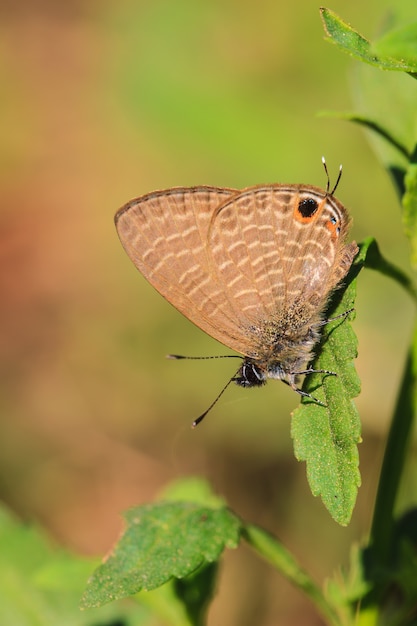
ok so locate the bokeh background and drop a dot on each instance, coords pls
(104, 101)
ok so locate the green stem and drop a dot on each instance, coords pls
(394, 459)
(372, 125)
(374, 260)
(274, 552)
(381, 131)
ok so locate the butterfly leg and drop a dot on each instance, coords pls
(310, 370)
(333, 319)
(305, 394)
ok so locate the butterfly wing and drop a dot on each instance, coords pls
(279, 251)
(165, 234)
(231, 260)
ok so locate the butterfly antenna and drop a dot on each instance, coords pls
(217, 356)
(203, 415)
(202, 358)
(328, 192)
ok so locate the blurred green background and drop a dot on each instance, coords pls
(102, 102)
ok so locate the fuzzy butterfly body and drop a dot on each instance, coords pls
(252, 268)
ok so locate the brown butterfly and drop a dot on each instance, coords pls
(253, 268)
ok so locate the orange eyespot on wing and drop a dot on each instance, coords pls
(306, 210)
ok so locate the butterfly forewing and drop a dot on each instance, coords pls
(165, 234)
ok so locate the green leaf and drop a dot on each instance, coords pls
(165, 605)
(371, 124)
(387, 56)
(192, 489)
(400, 44)
(162, 541)
(196, 591)
(41, 583)
(356, 590)
(326, 436)
(409, 202)
(183, 602)
(349, 586)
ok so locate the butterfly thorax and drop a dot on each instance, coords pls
(283, 354)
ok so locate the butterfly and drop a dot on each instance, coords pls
(253, 268)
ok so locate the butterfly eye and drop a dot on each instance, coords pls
(307, 207)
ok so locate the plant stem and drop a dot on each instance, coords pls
(375, 261)
(394, 459)
(274, 552)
